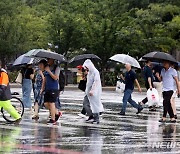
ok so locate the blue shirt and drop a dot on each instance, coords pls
(129, 80)
(168, 78)
(50, 84)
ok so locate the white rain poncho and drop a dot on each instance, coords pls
(93, 85)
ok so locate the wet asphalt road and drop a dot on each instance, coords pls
(114, 135)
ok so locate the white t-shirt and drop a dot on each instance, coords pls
(168, 79)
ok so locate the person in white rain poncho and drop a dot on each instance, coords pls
(93, 90)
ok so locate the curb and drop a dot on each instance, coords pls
(75, 87)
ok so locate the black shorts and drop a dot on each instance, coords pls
(51, 96)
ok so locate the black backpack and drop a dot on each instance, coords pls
(61, 79)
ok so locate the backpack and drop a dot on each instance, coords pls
(61, 79)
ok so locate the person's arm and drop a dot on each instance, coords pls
(43, 85)
(32, 75)
(54, 76)
(158, 76)
(43, 81)
(177, 84)
(122, 77)
(150, 82)
(138, 85)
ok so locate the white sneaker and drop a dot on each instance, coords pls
(82, 115)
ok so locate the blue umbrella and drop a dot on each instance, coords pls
(23, 60)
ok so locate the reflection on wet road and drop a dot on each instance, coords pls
(115, 134)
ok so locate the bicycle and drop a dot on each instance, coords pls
(17, 104)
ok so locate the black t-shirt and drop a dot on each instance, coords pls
(156, 69)
(129, 80)
(148, 74)
(26, 72)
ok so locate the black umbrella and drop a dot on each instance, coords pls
(79, 60)
(41, 53)
(159, 56)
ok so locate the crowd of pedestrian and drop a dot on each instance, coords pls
(45, 84)
(45, 81)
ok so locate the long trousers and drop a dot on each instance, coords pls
(167, 108)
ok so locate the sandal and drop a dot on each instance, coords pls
(35, 117)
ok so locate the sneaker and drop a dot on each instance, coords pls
(171, 121)
(95, 122)
(49, 117)
(140, 103)
(90, 119)
(57, 116)
(175, 116)
(17, 122)
(51, 122)
(100, 114)
(152, 109)
(139, 110)
(121, 113)
(81, 115)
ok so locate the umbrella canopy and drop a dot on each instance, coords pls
(23, 60)
(159, 56)
(122, 58)
(79, 60)
(41, 53)
(142, 60)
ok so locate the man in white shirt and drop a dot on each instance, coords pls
(168, 76)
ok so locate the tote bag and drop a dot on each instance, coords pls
(19, 78)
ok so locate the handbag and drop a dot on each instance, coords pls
(19, 78)
(82, 85)
(120, 87)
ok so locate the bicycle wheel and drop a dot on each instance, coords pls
(18, 105)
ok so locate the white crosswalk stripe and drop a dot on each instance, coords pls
(115, 134)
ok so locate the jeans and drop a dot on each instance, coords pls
(127, 98)
(167, 108)
(58, 103)
(26, 90)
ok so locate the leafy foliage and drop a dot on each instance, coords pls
(101, 27)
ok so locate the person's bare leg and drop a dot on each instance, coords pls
(36, 110)
(46, 105)
(52, 110)
(173, 105)
(57, 111)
